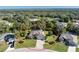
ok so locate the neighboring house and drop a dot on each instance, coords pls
(49, 19)
(63, 24)
(34, 18)
(57, 19)
(76, 21)
(39, 34)
(67, 39)
(6, 23)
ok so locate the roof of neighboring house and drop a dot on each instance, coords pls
(6, 22)
(62, 24)
(67, 36)
(34, 18)
(38, 32)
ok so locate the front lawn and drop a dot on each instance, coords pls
(3, 46)
(77, 49)
(57, 46)
(26, 43)
(51, 38)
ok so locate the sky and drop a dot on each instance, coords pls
(22, 7)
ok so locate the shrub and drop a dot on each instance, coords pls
(49, 33)
(20, 41)
(46, 41)
(22, 34)
(51, 42)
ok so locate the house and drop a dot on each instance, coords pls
(6, 22)
(67, 39)
(38, 34)
(57, 19)
(34, 18)
(63, 24)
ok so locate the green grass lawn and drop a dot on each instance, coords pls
(26, 44)
(3, 46)
(57, 46)
(51, 38)
(77, 49)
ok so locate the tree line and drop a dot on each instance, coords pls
(22, 24)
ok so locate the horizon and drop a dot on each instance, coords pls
(36, 7)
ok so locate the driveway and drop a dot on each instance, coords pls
(39, 44)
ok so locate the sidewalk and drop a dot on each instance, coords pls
(9, 49)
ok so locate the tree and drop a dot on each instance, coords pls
(64, 18)
(4, 28)
(18, 18)
(69, 26)
(39, 24)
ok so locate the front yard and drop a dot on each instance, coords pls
(3, 46)
(50, 43)
(77, 49)
(26, 44)
(57, 46)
